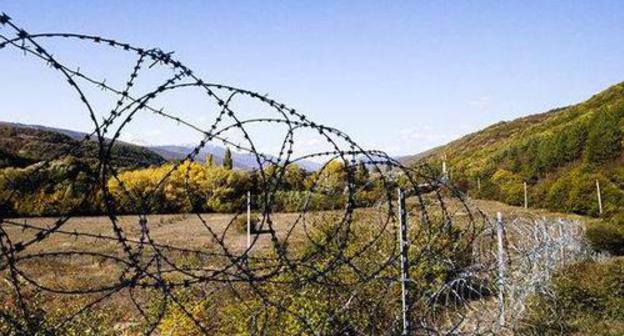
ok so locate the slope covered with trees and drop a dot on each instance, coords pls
(560, 155)
(23, 145)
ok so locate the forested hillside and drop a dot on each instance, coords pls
(560, 154)
(23, 145)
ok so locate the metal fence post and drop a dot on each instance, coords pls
(561, 243)
(248, 220)
(403, 245)
(526, 196)
(501, 268)
(599, 197)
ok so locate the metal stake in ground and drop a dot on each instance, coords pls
(252, 228)
(599, 197)
(248, 220)
(526, 196)
(501, 268)
(403, 244)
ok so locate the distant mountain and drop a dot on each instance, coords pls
(241, 160)
(72, 134)
(22, 145)
(180, 152)
(411, 159)
(560, 154)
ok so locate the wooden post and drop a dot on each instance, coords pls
(599, 197)
(403, 245)
(526, 196)
(501, 268)
(479, 184)
(248, 220)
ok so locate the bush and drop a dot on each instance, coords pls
(302, 302)
(239, 223)
(607, 236)
(588, 299)
(510, 187)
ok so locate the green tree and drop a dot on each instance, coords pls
(227, 159)
(294, 177)
(362, 174)
(210, 160)
(572, 141)
(530, 163)
(604, 138)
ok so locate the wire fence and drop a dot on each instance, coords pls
(531, 250)
(309, 272)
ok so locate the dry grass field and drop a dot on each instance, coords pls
(180, 232)
(67, 262)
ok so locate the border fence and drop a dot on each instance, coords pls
(455, 271)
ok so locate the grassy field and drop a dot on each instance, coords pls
(74, 262)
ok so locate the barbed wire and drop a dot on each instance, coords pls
(338, 256)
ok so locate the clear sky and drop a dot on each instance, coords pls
(402, 76)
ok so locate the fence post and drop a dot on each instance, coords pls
(404, 261)
(561, 243)
(248, 220)
(526, 196)
(599, 197)
(501, 269)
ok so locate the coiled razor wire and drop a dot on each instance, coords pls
(152, 276)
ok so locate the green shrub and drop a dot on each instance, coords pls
(607, 236)
(302, 302)
(239, 223)
(588, 299)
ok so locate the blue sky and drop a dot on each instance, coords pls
(402, 76)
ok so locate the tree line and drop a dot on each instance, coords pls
(73, 185)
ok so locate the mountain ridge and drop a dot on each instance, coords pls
(22, 145)
(65, 138)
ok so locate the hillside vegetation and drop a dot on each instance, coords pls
(22, 145)
(72, 185)
(560, 154)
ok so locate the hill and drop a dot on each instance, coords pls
(560, 154)
(22, 145)
(244, 161)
